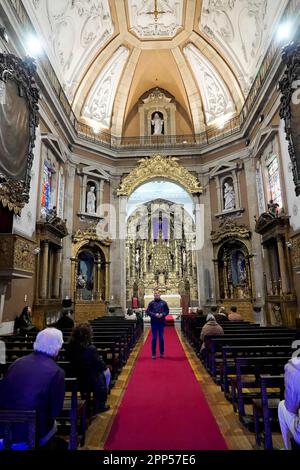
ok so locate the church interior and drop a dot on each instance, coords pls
(155, 146)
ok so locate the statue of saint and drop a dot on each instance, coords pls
(91, 201)
(81, 282)
(241, 266)
(229, 197)
(273, 208)
(157, 122)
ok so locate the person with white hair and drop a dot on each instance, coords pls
(35, 382)
(211, 328)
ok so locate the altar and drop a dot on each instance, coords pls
(173, 300)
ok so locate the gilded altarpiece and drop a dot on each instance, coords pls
(160, 253)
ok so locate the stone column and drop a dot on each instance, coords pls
(107, 280)
(267, 271)
(217, 281)
(100, 198)
(251, 192)
(44, 277)
(67, 241)
(282, 265)
(117, 250)
(57, 274)
(204, 249)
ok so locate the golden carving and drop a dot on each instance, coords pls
(92, 233)
(159, 166)
(16, 254)
(229, 229)
(296, 251)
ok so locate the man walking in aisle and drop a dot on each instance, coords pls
(157, 310)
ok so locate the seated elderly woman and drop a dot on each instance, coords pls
(210, 328)
(36, 383)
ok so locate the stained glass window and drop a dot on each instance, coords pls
(46, 188)
(274, 181)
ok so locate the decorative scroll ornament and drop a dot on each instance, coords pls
(290, 106)
(159, 166)
(18, 104)
(228, 229)
(92, 233)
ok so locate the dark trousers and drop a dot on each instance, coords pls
(157, 329)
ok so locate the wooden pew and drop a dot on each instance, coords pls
(267, 409)
(272, 365)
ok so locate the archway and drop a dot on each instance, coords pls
(160, 244)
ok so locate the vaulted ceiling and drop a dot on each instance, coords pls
(108, 53)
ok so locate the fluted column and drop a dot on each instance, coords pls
(282, 264)
(57, 274)
(44, 277)
(266, 259)
(225, 274)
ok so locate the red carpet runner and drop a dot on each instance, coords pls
(164, 407)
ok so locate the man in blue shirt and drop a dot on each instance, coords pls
(157, 310)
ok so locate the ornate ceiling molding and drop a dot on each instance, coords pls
(99, 103)
(159, 166)
(72, 32)
(241, 29)
(217, 101)
(146, 23)
(228, 229)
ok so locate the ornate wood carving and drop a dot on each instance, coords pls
(15, 174)
(290, 106)
(16, 256)
(159, 166)
(92, 233)
(228, 229)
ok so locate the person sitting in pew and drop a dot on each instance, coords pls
(234, 315)
(221, 315)
(130, 314)
(210, 328)
(65, 322)
(88, 366)
(36, 383)
(23, 323)
(289, 408)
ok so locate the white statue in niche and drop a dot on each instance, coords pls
(157, 122)
(229, 197)
(91, 201)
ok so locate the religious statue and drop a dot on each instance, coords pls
(273, 208)
(241, 267)
(51, 215)
(157, 122)
(91, 201)
(229, 197)
(81, 282)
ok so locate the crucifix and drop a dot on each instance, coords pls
(155, 12)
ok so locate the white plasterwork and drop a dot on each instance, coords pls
(98, 106)
(72, 31)
(145, 24)
(243, 30)
(217, 101)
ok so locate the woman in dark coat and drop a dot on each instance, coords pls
(88, 366)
